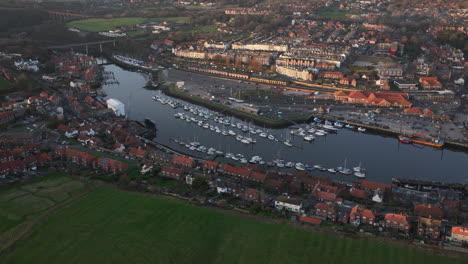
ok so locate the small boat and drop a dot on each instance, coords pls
(338, 124)
(289, 164)
(309, 167)
(300, 166)
(288, 143)
(231, 133)
(224, 133)
(361, 129)
(263, 135)
(360, 174)
(239, 138)
(309, 138)
(348, 126)
(358, 168)
(271, 137)
(243, 160)
(404, 139)
(331, 170)
(318, 133)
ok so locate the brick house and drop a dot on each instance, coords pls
(397, 221)
(183, 161)
(360, 215)
(169, 171)
(210, 165)
(428, 227)
(326, 210)
(428, 211)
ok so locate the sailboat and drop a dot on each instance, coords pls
(344, 170)
(359, 171)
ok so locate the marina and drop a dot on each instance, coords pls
(321, 147)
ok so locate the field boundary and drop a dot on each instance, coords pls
(11, 237)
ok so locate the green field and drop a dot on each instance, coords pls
(112, 226)
(333, 14)
(4, 84)
(103, 24)
(19, 202)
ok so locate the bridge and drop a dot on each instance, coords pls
(83, 44)
(65, 16)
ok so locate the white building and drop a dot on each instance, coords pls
(116, 106)
(288, 203)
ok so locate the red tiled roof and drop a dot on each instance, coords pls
(258, 176)
(358, 211)
(325, 195)
(459, 230)
(184, 161)
(370, 185)
(239, 171)
(428, 211)
(310, 220)
(171, 169)
(137, 152)
(210, 165)
(397, 218)
(358, 193)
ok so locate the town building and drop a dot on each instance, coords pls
(290, 204)
(360, 216)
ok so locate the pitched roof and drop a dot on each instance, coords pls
(358, 193)
(370, 185)
(183, 161)
(137, 152)
(171, 169)
(397, 218)
(310, 220)
(357, 210)
(460, 230)
(428, 211)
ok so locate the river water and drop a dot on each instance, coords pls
(383, 157)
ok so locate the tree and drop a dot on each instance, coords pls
(200, 184)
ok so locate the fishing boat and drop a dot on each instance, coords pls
(426, 140)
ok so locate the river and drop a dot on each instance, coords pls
(383, 157)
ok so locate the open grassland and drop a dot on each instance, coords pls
(333, 14)
(112, 226)
(22, 201)
(103, 24)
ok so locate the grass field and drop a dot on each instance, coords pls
(112, 226)
(103, 24)
(19, 202)
(333, 14)
(4, 84)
